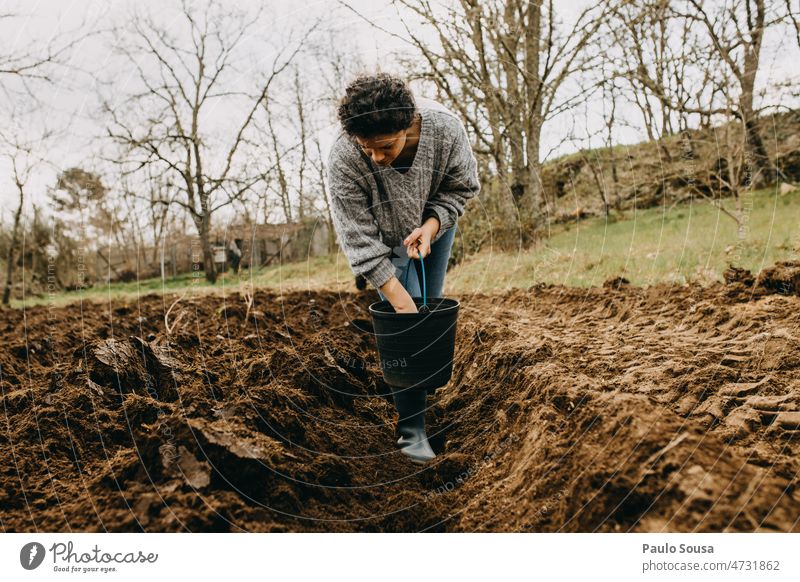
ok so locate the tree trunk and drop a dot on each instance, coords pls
(758, 164)
(515, 105)
(534, 203)
(203, 224)
(741, 231)
(759, 168)
(324, 193)
(12, 248)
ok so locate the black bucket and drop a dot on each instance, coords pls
(416, 349)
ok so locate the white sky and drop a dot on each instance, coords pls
(73, 104)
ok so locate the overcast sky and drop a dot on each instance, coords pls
(73, 103)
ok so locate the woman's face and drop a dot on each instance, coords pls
(383, 149)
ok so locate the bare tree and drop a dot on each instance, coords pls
(684, 58)
(793, 14)
(182, 81)
(502, 65)
(337, 64)
(20, 180)
(22, 70)
(736, 31)
(610, 98)
(88, 215)
(282, 187)
(23, 156)
(649, 55)
(160, 195)
(594, 158)
(27, 63)
(300, 98)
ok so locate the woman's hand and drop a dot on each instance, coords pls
(397, 295)
(418, 243)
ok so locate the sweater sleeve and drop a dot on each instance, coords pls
(354, 223)
(459, 183)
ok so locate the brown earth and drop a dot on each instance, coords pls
(671, 408)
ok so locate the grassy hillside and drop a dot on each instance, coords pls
(691, 242)
(649, 173)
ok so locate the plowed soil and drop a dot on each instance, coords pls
(669, 408)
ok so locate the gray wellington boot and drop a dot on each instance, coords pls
(413, 441)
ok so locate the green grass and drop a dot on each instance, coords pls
(331, 272)
(691, 242)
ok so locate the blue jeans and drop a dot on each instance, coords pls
(435, 267)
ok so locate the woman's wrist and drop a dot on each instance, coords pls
(397, 295)
(432, 226)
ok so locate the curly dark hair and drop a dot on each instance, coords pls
(376, 105)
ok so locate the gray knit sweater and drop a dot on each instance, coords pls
(442, 177)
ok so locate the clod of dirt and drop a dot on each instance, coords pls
(182, 463)
(32, 348)
(788, 420)
(133, 365)
(737, 275)
(241, 459)
(782, 278)
(615, 283)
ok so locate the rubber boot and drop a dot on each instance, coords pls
(413, 441)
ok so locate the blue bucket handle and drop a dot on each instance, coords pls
(424, 285)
